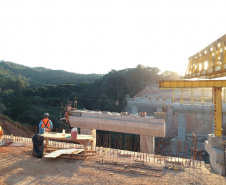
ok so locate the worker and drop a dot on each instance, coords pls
(68, 113)
(46, 123)
(1, 132)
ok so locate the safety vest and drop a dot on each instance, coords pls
(46, 124)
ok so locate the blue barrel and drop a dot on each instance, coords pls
(41, 130)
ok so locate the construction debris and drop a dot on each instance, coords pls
(174, 168)
(6, 142)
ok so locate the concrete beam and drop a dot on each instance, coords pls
(145, 126)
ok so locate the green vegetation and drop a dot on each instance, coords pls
(26, 93)
(18, 77)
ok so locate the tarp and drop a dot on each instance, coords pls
(38, 146)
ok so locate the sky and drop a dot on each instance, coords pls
(97, 36)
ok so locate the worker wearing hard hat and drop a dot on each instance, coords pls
(46, 123)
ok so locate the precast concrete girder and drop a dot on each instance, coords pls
(145, 126)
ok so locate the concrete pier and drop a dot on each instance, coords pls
(181, 126)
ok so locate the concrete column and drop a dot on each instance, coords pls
(159, 109)
(134, 109)
(212, 124)
(181, 127)
(89, 132)
(147, 144)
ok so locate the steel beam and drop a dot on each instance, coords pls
(192, 97)
(192, 84)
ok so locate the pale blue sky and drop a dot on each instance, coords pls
(95, 36)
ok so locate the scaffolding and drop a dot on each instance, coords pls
(65, 112)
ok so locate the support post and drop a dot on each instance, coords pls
(217, 111)
(174, 96)
(224, 96)
(90, 132)
(202, 97)
(181, 99)
(192, 97)
(134, 110)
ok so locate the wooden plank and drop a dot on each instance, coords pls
(73, 157)
(53, 154)
(63, 151)
(92, 151)
(67, 137)
(78, 151)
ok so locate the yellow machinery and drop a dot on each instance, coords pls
(209, 63)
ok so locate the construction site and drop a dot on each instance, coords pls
(174, 133)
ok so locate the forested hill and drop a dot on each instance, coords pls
(17, 77)
(28, 105)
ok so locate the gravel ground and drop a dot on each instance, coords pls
(18, 166)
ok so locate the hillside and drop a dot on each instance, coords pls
(26, 93)
(17, 77)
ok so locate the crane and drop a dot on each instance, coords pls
(209, 63)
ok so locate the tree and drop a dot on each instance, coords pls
(18, 105)
(169, 75)
(2, 108)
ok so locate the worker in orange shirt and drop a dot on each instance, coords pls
(46, 123)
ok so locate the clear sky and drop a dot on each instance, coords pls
(96, 36)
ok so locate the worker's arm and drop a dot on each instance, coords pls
(40, 124)
(51, 124)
